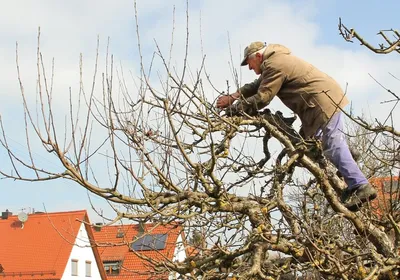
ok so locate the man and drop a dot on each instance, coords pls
(314, 96)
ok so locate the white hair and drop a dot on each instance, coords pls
(254, 54)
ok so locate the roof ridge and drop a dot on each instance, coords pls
(146, 224)
(65, 213)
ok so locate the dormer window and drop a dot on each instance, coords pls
(112, 267)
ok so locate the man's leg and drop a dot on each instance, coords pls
(337, 151)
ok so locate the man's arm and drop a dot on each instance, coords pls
(247, 90)
(250, 89)
(271, 82)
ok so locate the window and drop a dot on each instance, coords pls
(112, 267)
(74, 267)
(150, 242)
(88, 269)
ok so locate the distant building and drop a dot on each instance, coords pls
(48, 246)
(388, 200)
(127, 250)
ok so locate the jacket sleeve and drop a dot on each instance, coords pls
(250, 89)
(271, 81)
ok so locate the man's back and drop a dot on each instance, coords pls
(306, 90)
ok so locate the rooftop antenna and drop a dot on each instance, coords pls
(22, 217)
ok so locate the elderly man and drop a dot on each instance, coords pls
(314, 96)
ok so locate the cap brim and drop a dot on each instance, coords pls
(244, 62)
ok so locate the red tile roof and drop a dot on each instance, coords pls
(39, 248)
(112, 248)
(388, 194)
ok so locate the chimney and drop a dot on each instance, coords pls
(5, 215)
(141, 228)
(97, 226)
(120, 233)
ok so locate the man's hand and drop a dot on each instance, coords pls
(232, 110)
(239, 108)
(225, 101)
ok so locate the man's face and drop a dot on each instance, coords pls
(255, 63)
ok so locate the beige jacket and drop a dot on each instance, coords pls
(311, 94)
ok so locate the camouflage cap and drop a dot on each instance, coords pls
(250, 49)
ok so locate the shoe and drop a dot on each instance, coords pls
(353, 199)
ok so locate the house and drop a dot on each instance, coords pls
(388, 200)
(127, 250)
(48, 246)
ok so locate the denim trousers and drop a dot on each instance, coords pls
(337, 151)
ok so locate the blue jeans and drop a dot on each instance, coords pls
(337, 151)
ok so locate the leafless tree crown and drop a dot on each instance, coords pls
(170, 156)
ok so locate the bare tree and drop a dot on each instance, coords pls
(172, 157)
(377, 153)
(391, 39)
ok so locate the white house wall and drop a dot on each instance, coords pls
(82, 252)
(179, 252)
(179, 255)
